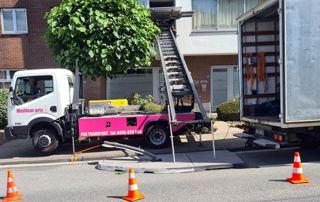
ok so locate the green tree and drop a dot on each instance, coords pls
(101, 37)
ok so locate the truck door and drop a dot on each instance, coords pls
(32, 97)
(302, 59)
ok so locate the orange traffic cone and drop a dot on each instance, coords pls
(133, 192)
(12, 193)
(297, 174)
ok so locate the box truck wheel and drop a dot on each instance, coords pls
(45, 140)
(157, 136)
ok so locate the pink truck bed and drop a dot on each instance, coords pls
(123, 125)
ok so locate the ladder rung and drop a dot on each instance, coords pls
(181, 93)
(171, 58)
(179, 87)
(178, 81)
(172, 63)
(173, 68)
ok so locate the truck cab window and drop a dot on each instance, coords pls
(31, 88)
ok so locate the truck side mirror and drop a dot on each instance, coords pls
(12, 101)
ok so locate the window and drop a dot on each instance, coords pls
(14, 21)
(219, 14)
(31, 88)
(5, 78)
(144, 2)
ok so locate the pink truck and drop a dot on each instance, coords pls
(50, 119)
(153, 126)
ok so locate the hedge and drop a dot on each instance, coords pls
(3, 107)
(229, 111)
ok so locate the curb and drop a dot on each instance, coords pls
(112, 168)
(145, 170)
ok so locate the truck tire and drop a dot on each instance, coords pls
(45, 141)
(157, 136)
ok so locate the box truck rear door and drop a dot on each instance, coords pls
(302, 60)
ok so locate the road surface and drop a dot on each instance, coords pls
(86, 183)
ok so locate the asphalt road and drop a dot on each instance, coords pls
(86, 183)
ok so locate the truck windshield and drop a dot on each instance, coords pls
(32, 87)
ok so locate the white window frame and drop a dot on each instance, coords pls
(217, 29)
(15, 31)
(8, 78)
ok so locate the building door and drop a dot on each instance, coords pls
(224, 84)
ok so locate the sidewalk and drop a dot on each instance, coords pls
(22, 152)
(185, 162)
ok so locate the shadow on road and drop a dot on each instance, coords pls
(22, 148)
(273, 157)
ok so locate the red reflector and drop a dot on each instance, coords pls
(279, 138)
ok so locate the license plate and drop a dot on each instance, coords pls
(260, 131)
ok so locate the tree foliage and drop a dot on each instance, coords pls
(101, 37)
(3, 107)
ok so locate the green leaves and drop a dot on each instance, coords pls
(102, 37)
(115, 34)
(3, 107)
(91, 53)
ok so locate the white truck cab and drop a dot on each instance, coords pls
(37, 100)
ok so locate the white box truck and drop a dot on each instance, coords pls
(279, 60)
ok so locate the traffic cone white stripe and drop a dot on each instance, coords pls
(297, 159)
(133, 187)
(10, 190)
(297, 170)
(131, 176)
(15, 189)
(10, 179)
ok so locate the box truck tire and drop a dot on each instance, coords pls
(157, 135)
(44, 140)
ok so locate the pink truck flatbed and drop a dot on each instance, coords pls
(125, 125)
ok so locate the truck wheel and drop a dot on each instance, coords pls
(157, 136)
(45, 140)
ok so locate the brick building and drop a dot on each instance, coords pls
(208, 41)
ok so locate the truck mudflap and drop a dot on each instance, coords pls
(9, 134)
(263, 142)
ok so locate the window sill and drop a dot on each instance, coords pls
(14, 33)
(216, 31)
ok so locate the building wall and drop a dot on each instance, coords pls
(27, 51)
(200, 67)
(203, 42)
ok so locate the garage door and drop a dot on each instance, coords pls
(123, 86)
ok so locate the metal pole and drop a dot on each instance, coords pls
(213, 145)
(73, 145)
(73, 142)
(171, 136)
(200, 137)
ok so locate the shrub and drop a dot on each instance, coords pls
(229, 111)
(136, 99)
(153, 108)
(3, 107)
(146, 104)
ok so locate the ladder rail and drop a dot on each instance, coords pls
(194, 90)
(168, 88)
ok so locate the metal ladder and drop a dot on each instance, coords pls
(178, 80)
